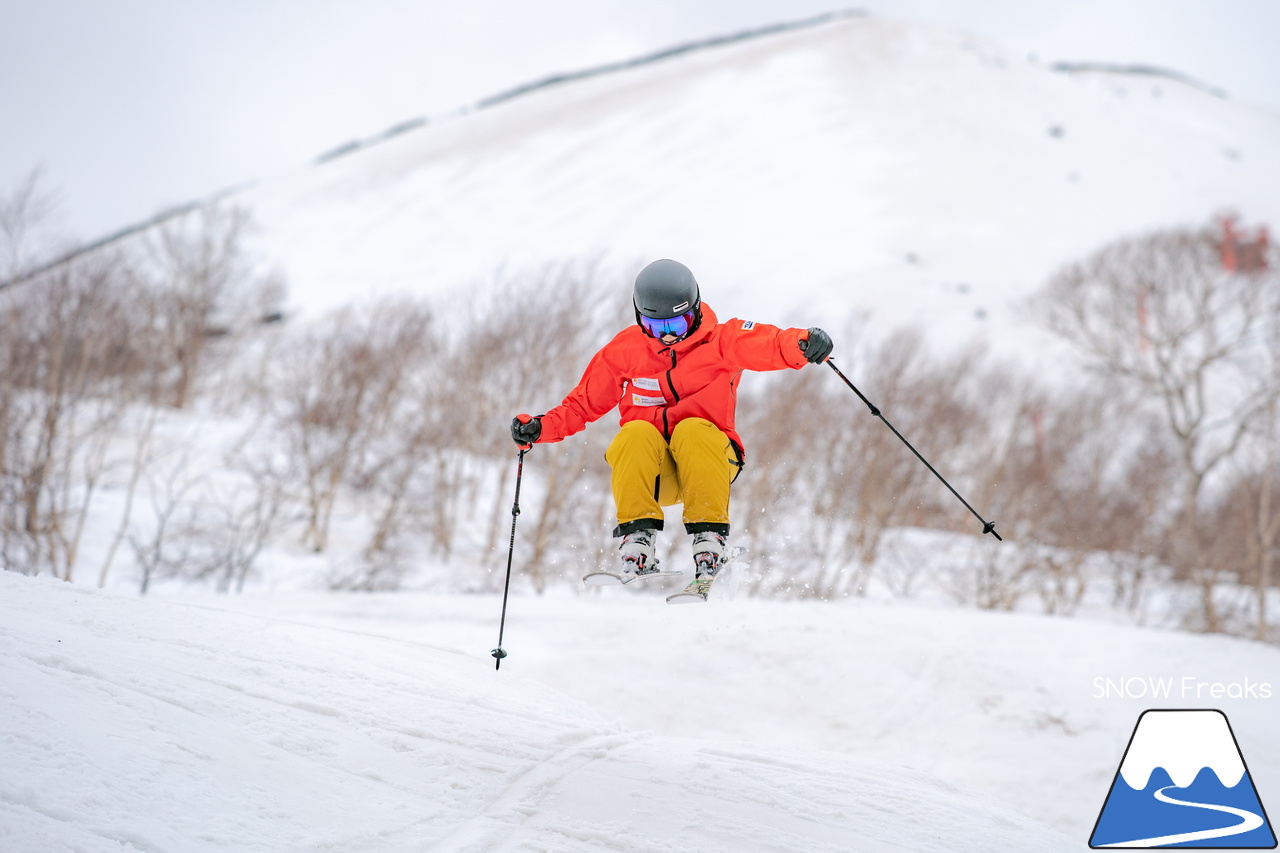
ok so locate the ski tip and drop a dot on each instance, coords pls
(602, 579)
(686, 598)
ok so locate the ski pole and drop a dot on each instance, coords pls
(498, 653)
(987, 526)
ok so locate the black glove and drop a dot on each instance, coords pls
(525, 429)
(817, 347)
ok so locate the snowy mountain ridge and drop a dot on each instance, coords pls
(839, 164)
(847, 164)
(555, 79)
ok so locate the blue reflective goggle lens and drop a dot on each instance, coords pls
(677, 326)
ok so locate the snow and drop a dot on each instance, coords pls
(860, 164)
(297, 721)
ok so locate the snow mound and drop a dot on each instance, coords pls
(156, 726)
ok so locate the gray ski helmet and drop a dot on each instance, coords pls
(666, 289)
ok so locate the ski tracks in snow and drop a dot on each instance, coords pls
(504, 823)
(145, 726)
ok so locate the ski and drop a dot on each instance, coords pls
(603, 578)
(698, 589)
(695, 592)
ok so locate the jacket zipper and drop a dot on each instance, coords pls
(671, 384)
(666, 425)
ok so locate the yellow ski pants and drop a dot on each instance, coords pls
(695, 469)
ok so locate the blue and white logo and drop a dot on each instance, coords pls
(1183, 783)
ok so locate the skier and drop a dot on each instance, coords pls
(674, 378)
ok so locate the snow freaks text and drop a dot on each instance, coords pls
(1187, 687)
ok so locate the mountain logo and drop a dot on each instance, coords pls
(1183, 783)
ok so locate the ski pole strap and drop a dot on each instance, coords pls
(987, 526)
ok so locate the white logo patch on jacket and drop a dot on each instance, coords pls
(645, 383)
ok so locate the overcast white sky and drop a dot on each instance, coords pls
(130, 106)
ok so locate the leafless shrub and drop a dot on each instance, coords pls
(403, 415)
(383, 570)
(158, 552)
(69, 367)
(228, 530)
(411, 480)
(1079, 472)
(903, 569)
(1243, 528)
(145, 452)
(1161, 316)
(65, 367)
(83, 345)
(204, 286)
(859, 479)
(989, 579)
(25, 215)
(341, 387)
(528, 342)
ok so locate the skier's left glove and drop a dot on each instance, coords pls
(526, 429)
(816, 346)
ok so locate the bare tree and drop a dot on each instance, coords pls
(1267, 526)
(817, 454)
(524, 344)
(226, 532)
(204, 283)
(158, 552)
(71, 367)
(1161, 315)
(83, 341)
(25, 214)
(341, 388)
(1267, 529)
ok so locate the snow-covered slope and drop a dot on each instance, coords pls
(370, 723)
(1022, 708)
(142, 725)
(858, 162)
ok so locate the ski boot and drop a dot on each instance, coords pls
(636, 554)
(709, 552)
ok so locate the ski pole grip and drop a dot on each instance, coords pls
(525, 440)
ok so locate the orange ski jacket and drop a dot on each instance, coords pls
(693, 378)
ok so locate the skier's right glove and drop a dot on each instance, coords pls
(525, 429)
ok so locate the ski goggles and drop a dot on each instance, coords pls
(677, 326)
